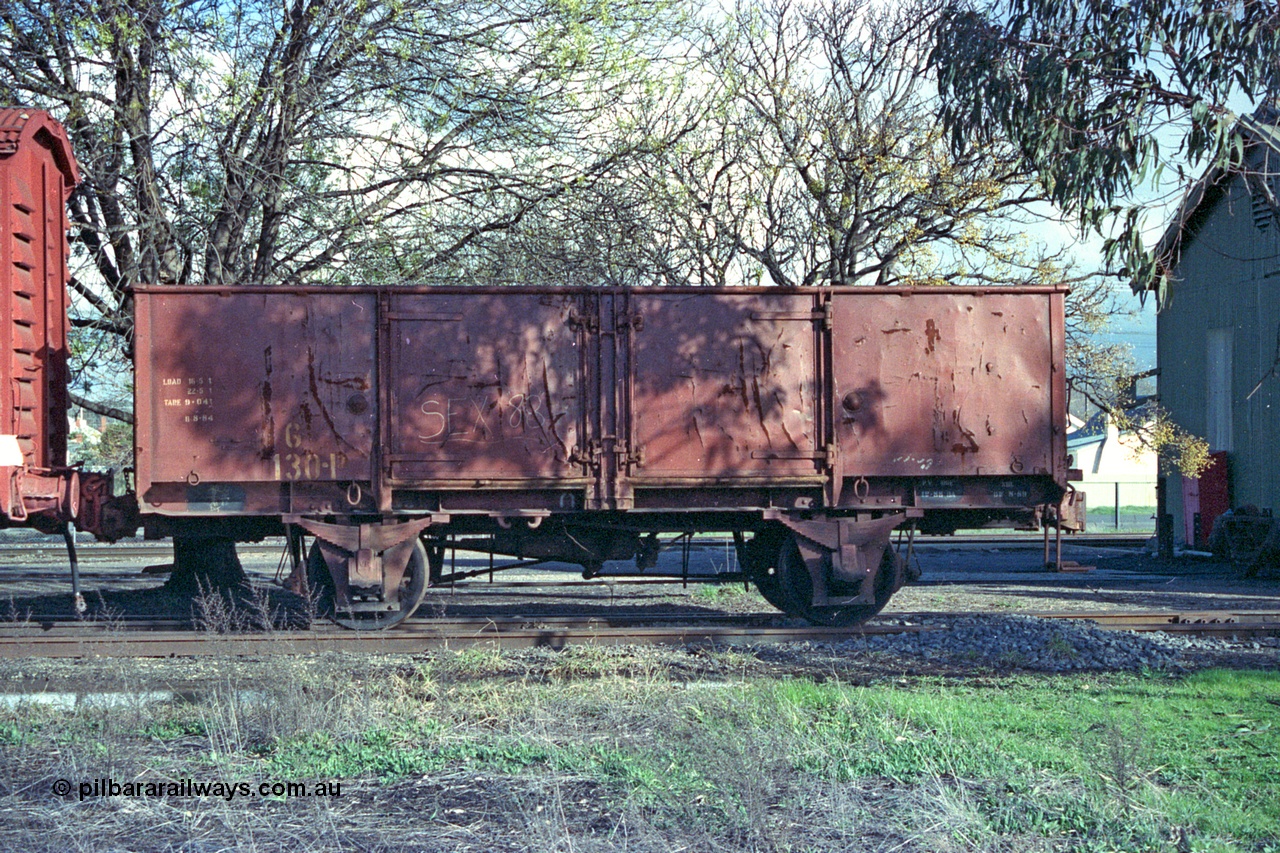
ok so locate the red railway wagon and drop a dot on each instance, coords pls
(544, 423)
(37, 175)
(578, 424)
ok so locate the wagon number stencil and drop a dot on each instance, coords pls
(301, 463)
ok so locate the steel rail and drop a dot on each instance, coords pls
(560, 631)
(1131, 620)
(182, 644)
(67, 626)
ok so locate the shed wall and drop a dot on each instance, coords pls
(1227, 286)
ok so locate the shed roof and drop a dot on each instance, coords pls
(21, 126)
(1203, 196)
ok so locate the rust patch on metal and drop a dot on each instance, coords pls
(268, 432)
(315, 394)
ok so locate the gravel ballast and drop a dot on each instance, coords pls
(1052, 645)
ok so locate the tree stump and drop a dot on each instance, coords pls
(201, 564)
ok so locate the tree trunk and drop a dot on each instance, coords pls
(201, 564)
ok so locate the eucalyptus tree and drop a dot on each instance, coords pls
(829, 165)
(269, 141)
(1115, 105)
(1107, 98)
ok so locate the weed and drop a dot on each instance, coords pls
(214, 611)
(1122, 757)
(1011, 659)
(724, 592)
(473, 662)
(1059, 647)
(11, 734)
(15, 615)
(948, 815)
(578, 662)
(111, 618)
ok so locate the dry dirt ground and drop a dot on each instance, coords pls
(134, 720)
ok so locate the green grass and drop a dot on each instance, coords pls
(1132, 518)
(1075, 755)
(1095, 763)
(720, 592)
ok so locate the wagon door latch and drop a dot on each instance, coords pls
(587, 455)
(628, 457)
(588, 323)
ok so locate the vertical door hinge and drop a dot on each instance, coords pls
(633, 458)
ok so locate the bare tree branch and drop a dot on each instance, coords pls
(101, 408)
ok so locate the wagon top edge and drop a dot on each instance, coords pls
(957, 290)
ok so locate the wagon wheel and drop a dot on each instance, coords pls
(412, 588)
(760, 557)
(796, 589)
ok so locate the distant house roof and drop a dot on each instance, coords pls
(1204, 194)
(1096, 426)
(1092, 428)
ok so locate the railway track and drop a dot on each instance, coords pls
(42, 559)
(411, 639)
(163, 638)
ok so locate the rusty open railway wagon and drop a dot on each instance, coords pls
(569, 424)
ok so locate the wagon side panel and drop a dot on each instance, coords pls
(724, 386)
(485, 389)
(949, 384)
(242, 394)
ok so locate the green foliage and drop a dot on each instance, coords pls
(112, 449)
(176, 725)
(1093, 93)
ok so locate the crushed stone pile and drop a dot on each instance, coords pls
(1044, 645)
